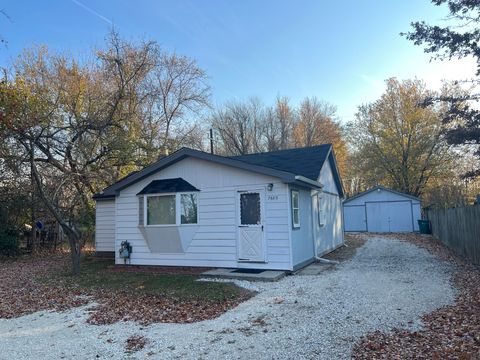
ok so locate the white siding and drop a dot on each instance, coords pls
(330, 235)
(326, 178)
(417, 215)
(355, 218)
(302, 237)
(327, 237)
(215, 242)
(105, 226)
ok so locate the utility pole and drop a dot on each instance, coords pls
(211, 141)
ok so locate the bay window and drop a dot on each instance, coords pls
(170, 209)
(188, 208)
(161, 210)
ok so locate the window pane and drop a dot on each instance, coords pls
(321, 220)
(140, 211)
(295, 199)
(295, 209)
(188, 204)
(250, 209)
(161, 210)
(296, 220)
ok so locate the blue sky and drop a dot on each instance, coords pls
(338, 51)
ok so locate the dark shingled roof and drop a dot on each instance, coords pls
(300, 161)
(286, 165)
(167, 186)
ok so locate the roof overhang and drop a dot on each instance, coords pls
(101, 197)
(308, 182)
(286, 177)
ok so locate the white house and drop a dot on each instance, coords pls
(274, 210)
(381, 210)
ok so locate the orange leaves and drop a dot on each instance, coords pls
(28, 285)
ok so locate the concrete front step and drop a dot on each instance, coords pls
(263, 275)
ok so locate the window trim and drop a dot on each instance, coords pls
(295, 225)
(178, 215)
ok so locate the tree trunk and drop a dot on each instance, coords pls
(33, 238)
(75, 251)
(72, 234)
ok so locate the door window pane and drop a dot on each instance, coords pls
(161, 210)
(188, 205)
(250, 209)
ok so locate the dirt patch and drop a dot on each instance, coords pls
(147, 309)
(451, 332)
(343, 253)
(135, 343)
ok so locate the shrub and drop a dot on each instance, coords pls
(9, 245)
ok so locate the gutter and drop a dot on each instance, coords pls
(101, 196)
(308, 181)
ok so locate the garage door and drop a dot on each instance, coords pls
(354, 218)
(389, 216)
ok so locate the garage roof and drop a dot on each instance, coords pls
(382, 188)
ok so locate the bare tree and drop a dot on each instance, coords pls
(239, 125)
(316, 125)
(278, 125)
(178, 91)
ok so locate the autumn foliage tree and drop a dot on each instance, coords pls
(397, 142)
(458, 37)
(317, 125)
(79, 126)
(278, 125)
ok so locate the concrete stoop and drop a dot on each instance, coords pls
(245, 274)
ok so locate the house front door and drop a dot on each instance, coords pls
(251, 239)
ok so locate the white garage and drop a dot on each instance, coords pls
(381, 210)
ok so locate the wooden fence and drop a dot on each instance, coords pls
(459, 229)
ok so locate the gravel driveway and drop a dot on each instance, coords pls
(388, 283)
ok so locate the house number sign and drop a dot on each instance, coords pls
(272, 197)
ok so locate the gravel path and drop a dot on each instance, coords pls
(387, 284)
